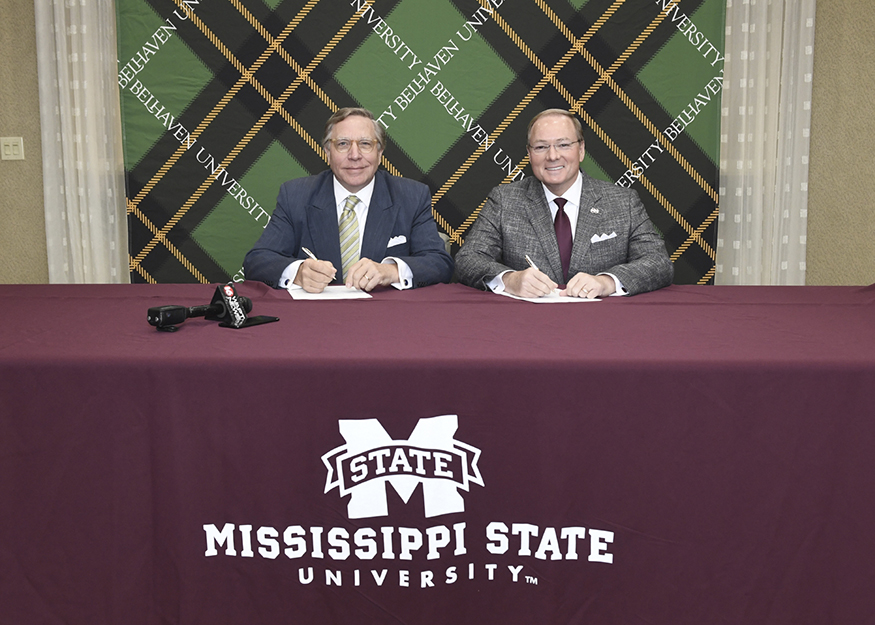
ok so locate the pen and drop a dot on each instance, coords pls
(535, 267)
(313, 256)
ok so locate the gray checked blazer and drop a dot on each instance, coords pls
(613, 235)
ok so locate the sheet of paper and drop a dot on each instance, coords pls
(335, 291)
(552, 298)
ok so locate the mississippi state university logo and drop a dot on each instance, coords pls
(431, 456)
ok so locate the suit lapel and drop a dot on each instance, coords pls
(322, 221)
(381, 217)
(587, 222)
(539, 216)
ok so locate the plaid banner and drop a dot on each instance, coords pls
(223, 100)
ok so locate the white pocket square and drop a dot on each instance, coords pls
(397, 240)
(602, 237)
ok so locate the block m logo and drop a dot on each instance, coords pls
(431, 456)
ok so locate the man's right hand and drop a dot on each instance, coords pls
(528, 283)
(314, 275)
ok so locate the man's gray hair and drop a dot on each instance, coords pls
(343, 113)
(561, 112)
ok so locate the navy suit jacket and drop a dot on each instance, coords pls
(306, 216)
(614, 235)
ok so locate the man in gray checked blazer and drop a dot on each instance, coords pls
(604, 243)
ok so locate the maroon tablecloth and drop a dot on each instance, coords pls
(694, 455)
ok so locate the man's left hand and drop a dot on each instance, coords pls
(367, 275)
(586, 286)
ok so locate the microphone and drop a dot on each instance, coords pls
(226, 307)
(217, 311)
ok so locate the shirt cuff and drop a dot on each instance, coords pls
(496, 285)
(405, 275)
(288, 276)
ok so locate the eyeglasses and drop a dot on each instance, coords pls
(543, 148)
(366, 146)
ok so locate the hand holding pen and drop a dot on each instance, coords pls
(531, 282)
(314, 274)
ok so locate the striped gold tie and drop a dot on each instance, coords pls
(349, 235)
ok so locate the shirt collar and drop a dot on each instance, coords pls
(364, 194)
(572, 193)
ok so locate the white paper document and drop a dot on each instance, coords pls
(334, 291)
(552, 298)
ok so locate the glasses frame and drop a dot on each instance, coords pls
(374, 141)
(543, 149)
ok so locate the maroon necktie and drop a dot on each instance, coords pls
(563, 236)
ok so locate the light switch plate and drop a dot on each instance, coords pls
(12, 148)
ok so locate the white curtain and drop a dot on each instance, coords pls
(83, 170)
(762, 227)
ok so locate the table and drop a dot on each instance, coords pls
(694, 455)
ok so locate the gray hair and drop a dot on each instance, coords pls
(343, 113)
(561, 112)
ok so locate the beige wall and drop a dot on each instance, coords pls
(22, 224)
(841, 235)
(841, 218)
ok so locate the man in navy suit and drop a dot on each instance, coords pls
(563, 227)
(363, 227)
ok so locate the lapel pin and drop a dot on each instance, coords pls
(594, 210)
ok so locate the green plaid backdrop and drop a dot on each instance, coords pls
(223, 100)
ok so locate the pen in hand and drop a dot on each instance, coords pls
(535, 267)
(313, 256)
